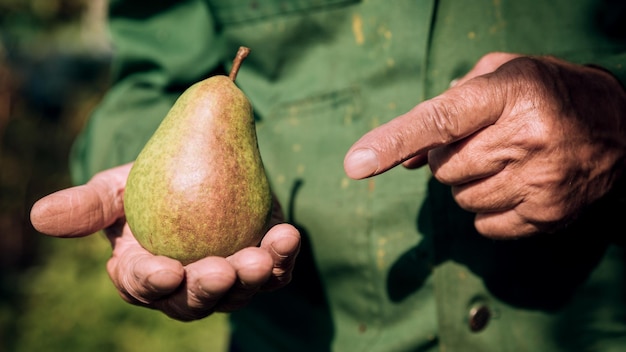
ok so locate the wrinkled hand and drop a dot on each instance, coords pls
(213, 284)
(525, 142)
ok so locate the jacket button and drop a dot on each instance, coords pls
(479, 316)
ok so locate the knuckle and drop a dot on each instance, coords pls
(441, 113)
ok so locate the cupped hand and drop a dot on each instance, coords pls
(213, 284)
(527, 143)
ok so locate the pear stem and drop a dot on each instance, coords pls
(241, 54)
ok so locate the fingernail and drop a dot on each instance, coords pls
(361, 163)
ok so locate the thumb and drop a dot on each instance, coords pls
(449, 117)
(82, 210)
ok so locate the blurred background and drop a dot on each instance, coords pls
(55, 294)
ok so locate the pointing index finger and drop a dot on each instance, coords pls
(442, 120)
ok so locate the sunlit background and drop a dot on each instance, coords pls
(55, 294)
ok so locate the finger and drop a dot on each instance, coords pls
(457, 113)
(416, 161)
(510, 210)
(283, 244)
(207, 281)
(498, 193)
(82, 210)
(483, 154)
(504, 225)
(253, 267)
(140, 277)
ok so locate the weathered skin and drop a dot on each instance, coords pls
(198, 188)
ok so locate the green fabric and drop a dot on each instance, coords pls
(390, 263)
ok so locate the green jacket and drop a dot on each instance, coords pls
(389, 263)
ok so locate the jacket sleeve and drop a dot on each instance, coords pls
(159, 49)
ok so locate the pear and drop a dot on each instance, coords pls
(198, 187)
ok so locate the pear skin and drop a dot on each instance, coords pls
(198, 188)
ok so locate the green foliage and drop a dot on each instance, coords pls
(69, 304)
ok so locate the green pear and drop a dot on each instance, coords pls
(198, 188)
